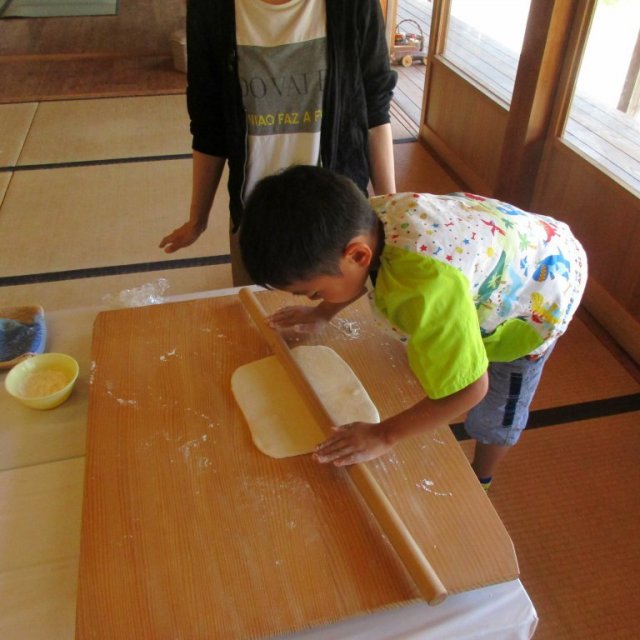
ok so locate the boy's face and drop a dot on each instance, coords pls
(336, 289)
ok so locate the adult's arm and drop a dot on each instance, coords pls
(381, 161)
(205, 103)
(379, 81)
(208, 24)
(207, 171)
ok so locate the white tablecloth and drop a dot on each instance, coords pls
(500, 612)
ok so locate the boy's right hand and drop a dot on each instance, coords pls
(300, 319)
(353, 443)
(181, 237)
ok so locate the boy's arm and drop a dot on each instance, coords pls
(359, 441)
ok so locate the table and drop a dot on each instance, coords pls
(31, 439)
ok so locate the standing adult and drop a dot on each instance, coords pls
(273, 83)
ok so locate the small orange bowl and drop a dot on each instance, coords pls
(43, 381)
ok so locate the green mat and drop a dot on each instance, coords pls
(57, 8)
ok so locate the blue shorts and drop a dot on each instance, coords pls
(502, 415)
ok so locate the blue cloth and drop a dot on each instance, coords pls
(18, 338)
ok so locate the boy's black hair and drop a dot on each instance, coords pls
(297, 223)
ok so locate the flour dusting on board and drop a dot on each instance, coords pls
(123, 402)
(391, 465)
(186, 448)
(428, 486)
(202, 416)
(348, 328)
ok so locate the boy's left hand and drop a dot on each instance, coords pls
(352, 443)
(300, 319)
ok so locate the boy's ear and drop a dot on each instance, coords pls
(359, 252)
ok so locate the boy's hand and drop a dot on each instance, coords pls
(352, 443)
(301, 319)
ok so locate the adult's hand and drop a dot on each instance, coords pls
(181, 237)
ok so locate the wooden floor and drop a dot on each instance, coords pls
(568, 493)
(409, 91)
(122, 55)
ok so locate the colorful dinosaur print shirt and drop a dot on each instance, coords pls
(466, 280)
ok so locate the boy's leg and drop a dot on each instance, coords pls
(497, 422)
(487, 457)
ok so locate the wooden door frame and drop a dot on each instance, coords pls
(537, 83)
(528, 118)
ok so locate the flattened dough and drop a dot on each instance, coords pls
(279, 421)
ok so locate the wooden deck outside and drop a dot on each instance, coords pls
(409, 91)
(610, 138)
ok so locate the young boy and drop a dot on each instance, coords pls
(478, 289)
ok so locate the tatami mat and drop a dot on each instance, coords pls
(52, 491)
(92, 292)
(581, 369)
(85, 130)
(40, 509)
(570, 497)
(92, 216)
(39, 602)
(15, 120)
(5, 178)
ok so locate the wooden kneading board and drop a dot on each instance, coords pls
(189, 531)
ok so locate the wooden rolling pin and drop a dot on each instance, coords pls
(426, 579)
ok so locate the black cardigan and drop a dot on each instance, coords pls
(357, 94)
